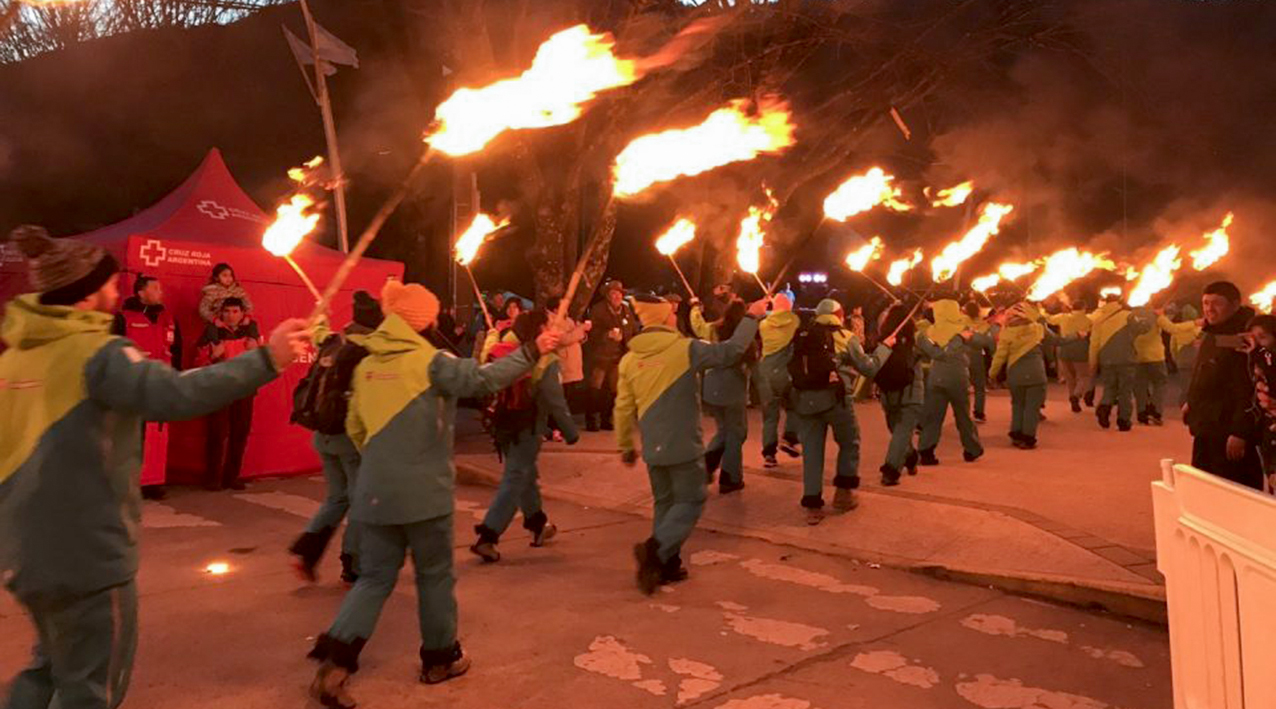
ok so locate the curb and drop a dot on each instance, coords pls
(1141, 602)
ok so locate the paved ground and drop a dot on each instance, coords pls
(1077, 511)
(760, 625)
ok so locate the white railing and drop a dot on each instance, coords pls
(1216, 547)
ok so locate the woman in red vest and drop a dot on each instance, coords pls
(144, 320)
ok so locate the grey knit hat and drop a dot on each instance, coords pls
(62, 271)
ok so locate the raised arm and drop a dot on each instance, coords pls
(929, 348)
(699, 327)
(461, 378)
(121, 378)
(864, 363)
(724, 354)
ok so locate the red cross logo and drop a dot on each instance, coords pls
(153, 253)
(212, 209)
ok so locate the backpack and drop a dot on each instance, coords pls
(897, 371)
(814, 362)
(322, 398)
(513, 409)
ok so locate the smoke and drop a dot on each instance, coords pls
(1147, 136)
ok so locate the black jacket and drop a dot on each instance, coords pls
(1219, 398)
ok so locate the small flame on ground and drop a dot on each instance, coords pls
(217, 568)
(678, 235)
(895, 274)
(570, 68)
(727, 135)
(1157, 276)
(983, 283)
(293, 221)
(468, 243)
(859, 259)
(1064, 267)
(1217, 244)
(944, 266)
(1264, 298)
(953, 196)
(861, 193)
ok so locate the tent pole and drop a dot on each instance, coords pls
(329, 131)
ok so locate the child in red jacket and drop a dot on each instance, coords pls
(231, 334)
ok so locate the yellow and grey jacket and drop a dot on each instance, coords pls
(1150, 347)
(659, 390)
(1071, 324)
(72, 402)
(723, 386)
(401, 417)
(1112, 339)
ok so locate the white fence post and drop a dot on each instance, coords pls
(1216, 547)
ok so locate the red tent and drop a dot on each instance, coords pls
(206, 221)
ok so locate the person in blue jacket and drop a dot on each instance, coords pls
(72, 401)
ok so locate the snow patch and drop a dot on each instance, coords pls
(991, 692)
(904, 604)
(777, 632)
(609, 657)
(654, 686)
(1001, 625)
(802, 577)
(766, 701)
(1121, 657)
(709, 557)
(896, 666)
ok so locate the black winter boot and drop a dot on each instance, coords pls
(672, 571)
(485, 546)
(1104, 414)
(1089, 399)
(1124, 426)
(306, 552)
(713, 459)
(542, 531)
(910, 463)
(1076, 404)
(890, 476)
(349, 569)
(927, 457)
(649, 570)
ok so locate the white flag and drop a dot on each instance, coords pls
(331, 50)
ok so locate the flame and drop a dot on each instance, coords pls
(1216, 246)
(293, 220)
(953, 196)
(1157, 276)
(1012, 271)
(217, 568)
(861, 193)
(468, 243)
(569, 69)
(944, 266)
(1131, 273)
(1264, 298)
(305, 174)
(858, 259)
(678, 235)
(727, 135)
(1063, 267)
(983, 283)
(1111, 291)
(752, 230)
(895, 275)
(47, 3)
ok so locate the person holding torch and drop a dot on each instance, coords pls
(401, 418)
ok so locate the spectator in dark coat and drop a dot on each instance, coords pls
(613, 324)
(1224, 431)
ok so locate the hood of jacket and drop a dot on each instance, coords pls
(1231, 326)
(949, 321)
(394, 336)
(653, 341)
(28, 324)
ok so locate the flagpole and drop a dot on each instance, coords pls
(329, 131)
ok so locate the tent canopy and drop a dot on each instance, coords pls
(208, 220)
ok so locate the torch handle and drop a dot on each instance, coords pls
(581, 264)
(304, 278)
(366, 238)
(881, 287)
(766, 292)
(678, 268)
(479, 295)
